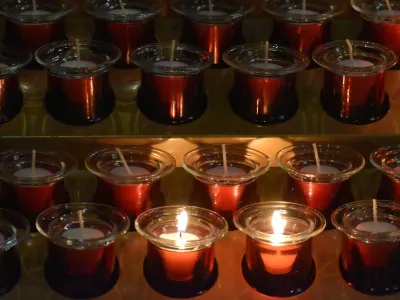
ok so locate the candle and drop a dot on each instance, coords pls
(305, 12)
(170, 64)
(389, 13)
(325, 169)
(77, 64)
(35, 13)
(27, 172)
(126, 11)
(135, 170)
(265, 66)
(376, 227)
(212, 13)
(83, 234)
(356, 63)
(232, 171)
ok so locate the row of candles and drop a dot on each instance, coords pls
(180, 261)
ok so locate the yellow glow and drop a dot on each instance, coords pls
(182, 221)
(278, 226)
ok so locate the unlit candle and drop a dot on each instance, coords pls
(232, 171)
(27, 172)
(126, 11)
(376, 227)
(170, 64)
(135, 171)
(77, 64)
(83, 234)
(356, 63)
(325, 169)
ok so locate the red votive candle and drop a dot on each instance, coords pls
(302, 27)
(11, 96)
(214, 28)
(30, 26)
(78, 90)
(180, 259)
(81, 261)
(386, 159)
(354, 89)
(132, 193)
(225, 192)
(370, 254)
(278, 260)
(126, 27)
(325, 189)
(14, 229)
(264, 91)
(31, 189)
(172, 88)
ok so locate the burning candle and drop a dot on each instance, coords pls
(278, 260)
(11, 223)
(353, 90)
(264, 91)
(370, 254)
(172, 81)
(180, 255)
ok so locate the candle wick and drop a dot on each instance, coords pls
(180, 234)
(33, 163)
(375, 210)
(121, 156)
(78, 50)
(81, 225)
(224, 160)
(304, 5)
(351, 54)
(172, 53)
(266, 52)
(317, 158)
(121, 4)
(210, 6)
(389, 6)
(34, 5)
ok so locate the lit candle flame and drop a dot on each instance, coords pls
(278, 226)
(182, 224)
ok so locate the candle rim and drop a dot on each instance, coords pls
(18, 225)
(380, 156)
(14, 59)
(370, 12)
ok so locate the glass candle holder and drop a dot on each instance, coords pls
(127, 28)
(225, 192)
(11, 96)
(171, 91)
(14, 229)
(370, 255)
(180, 259)
(264, 92)
(81, 261)
(323, 190)
(78, 90)
(302, 28)
(30, 27)
(214, 28)
(132, 193)
(31, 189)
(387, 160)
(278, 260)
(353, 90)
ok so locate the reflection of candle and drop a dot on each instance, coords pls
(356, 63)
(170, 64)
(136, 171)
(325, 169)
(27, 172)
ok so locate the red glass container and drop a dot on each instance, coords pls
(134, 193)
(30, 28)
(302, 29)
(78, 90)
(264, 92)
(213, 28)
(354, 91)
(180, 259)
(11, 96)
(14, 229)
(324, 191)
(224, 192)
(81, 261)
(370, 254)
(278, 261)
(172, 92)
(32, 191)
(126, 28)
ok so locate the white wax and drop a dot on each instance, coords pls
(265, 66)
(312, 169)
(27, 172)
(356, 63)
(212, 13)
(3, 65)
(232, 171)
(35, 13)
(77, 64)
(83, 234)
(176, 236)
(386, 12)
(126, 11)
(304, 12)
(170, 64)
(136, 171)
(376, 227)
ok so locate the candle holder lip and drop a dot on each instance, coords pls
(98, 163)
(12, 161)
(57, 9)
(256, 162)
(324, 10)
(233, 10)
(330, 54)
(14, 227)
(386, 160)
(13, 58)
(103, 55)
(253, 219)
(93, 214)
(242, 56)
(293, 158)
(372, 10)
(348, 216)
(101, 9)
(148, 55)
(214, 226)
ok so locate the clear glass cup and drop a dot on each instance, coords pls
(279, 264)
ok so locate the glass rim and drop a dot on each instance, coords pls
(302, 60)
(364, 236)
(268, 238)
(24, 55)
(195, 245)
(319, 57)
(387, 170)
(19, 234)
(371, 13)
